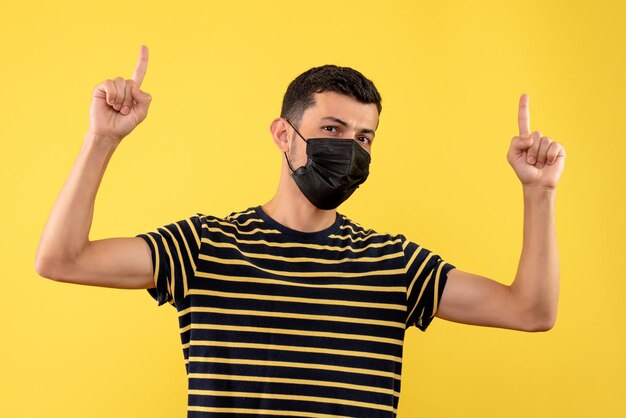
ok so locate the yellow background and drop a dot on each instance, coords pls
(450, 74)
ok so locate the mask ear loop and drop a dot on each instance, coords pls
(286, 158)
(288, 163)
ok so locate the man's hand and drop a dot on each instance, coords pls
(537, 160)
(119, 105)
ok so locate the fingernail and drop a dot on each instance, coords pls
(531, 160)
(125, 110)
(117, 106)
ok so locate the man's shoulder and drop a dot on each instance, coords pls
(233, 217)
(234, 221)
(351, 226)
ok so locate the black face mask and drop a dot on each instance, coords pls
(334, 170)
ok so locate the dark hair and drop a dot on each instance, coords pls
(343, 80)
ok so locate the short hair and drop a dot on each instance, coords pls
(344, 80)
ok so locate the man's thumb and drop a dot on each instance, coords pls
(522, 143)
(142, 98)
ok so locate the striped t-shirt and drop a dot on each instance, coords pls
(278, 322)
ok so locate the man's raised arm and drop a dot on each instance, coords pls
(65, 252)
(530, 302)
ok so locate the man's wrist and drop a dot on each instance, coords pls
(538, 191)
(102, 141)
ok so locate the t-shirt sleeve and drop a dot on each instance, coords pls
(174, 249)
(426, 275)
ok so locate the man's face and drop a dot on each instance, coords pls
(334, 115)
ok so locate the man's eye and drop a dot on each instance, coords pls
(363, 139)
(331, 127)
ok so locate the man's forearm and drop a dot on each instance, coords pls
(536, 283)
(67, 230)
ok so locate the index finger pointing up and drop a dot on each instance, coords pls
(142, 64)
(523, 116)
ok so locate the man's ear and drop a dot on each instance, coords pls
(280, 133)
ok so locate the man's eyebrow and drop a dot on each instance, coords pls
(344, 123)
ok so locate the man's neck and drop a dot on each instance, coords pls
(290, 208)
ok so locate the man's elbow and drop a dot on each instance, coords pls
(542, 324)
(47, 269)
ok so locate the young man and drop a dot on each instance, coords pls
(290, 308)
